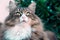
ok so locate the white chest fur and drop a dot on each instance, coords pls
(19, 32)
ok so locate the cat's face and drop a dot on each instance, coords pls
(21, 14)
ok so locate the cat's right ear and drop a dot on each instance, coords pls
(12, 6)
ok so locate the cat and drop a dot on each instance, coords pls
(23, 20)
(24, 14)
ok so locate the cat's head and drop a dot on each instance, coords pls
(20, 14)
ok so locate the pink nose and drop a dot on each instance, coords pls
(23, 17)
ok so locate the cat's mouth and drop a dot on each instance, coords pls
(23, 21)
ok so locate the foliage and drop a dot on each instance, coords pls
(49, 11)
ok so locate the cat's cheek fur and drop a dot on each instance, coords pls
(18, 33)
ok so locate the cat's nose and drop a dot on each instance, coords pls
(23, 17)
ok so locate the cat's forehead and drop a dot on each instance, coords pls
(24, 9)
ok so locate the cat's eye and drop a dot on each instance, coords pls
(28, 13)
(17, 13)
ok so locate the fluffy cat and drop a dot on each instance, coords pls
(22, 24)
(25, 14)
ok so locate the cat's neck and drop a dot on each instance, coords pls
(18, 32)
(23, 24)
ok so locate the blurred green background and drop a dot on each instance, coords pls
(48, 11)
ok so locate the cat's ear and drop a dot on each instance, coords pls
(32, 7)
(12, 6)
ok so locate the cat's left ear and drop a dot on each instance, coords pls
(32, 7)
(12, 6)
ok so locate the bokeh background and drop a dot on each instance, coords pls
(48, 11)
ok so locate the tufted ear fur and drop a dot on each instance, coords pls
(12, 5)
(32, 7)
